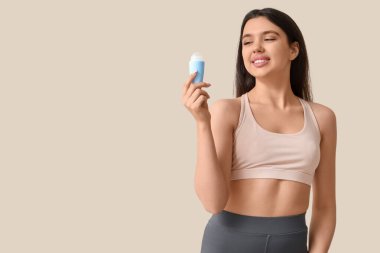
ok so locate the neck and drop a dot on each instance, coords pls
(273, 91)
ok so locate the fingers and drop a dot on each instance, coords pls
(194, 87)
(188, 82)
(196, 94)
(198, 102)
(193, 91)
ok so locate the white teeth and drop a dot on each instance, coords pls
(260, 61)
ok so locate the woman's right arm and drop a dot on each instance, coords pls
(214, 145)
(214, 155)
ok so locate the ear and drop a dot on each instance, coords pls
(294, 50)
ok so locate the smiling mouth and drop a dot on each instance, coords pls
(259, 61)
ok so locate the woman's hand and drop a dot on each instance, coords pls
(195, 99)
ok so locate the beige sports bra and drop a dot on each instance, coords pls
(259, 153)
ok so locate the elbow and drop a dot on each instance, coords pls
(214, 212)
(215, 209)
(213, 202)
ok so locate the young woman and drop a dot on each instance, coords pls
(259, 154)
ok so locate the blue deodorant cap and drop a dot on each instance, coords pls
(197, 63)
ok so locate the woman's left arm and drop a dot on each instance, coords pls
(323, 219)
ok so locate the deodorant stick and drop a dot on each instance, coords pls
(197, 64)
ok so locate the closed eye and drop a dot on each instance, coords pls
(246, 43)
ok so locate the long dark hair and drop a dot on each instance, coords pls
(299, 70)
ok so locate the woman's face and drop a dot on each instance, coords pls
(263, 38)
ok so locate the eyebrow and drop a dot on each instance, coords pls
(265, 32)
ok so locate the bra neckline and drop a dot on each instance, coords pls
(274, 133)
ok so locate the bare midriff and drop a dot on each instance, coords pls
(268, 197)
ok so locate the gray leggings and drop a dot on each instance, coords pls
(228, 232)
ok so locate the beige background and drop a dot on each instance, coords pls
(97, 153)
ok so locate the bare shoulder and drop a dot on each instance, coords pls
(228, 109)
(325, 117)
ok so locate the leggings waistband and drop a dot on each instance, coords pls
(261, 224)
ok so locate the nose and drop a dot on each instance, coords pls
(257, 47)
